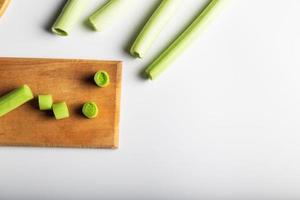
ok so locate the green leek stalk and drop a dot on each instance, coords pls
(153, 27)
(178, 46)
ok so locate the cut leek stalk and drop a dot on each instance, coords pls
(153, 27)
(45, 102)
(68, 17)
(107, 14)
(14, 99)
(60, 110)
(171, 53)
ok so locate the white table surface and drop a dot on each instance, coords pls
(222, 123)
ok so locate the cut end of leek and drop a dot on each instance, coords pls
(135, 53)
(90, 110)
(150, 74)
(102, 79)
(91, 22)
(27, 91)
(59, 31)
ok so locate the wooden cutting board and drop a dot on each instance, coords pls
(67, 80)
(3, 6)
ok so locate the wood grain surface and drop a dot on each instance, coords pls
(67, 80)
(3, 6)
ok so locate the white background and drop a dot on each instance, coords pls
(222, 123)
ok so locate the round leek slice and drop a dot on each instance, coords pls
(90, 110)
(101, 79)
